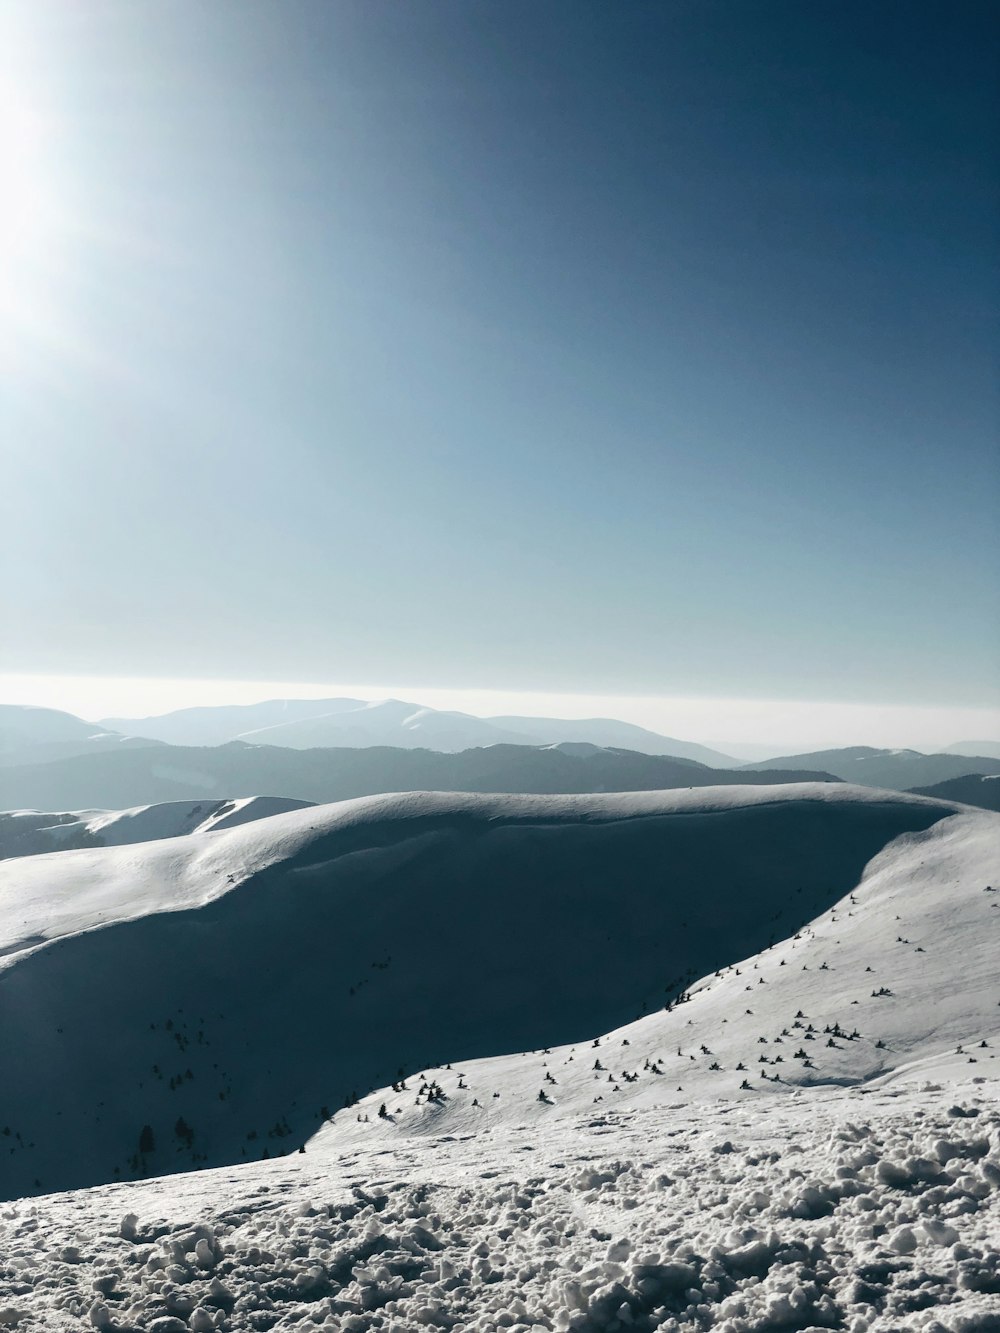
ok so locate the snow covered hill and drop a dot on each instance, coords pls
(39, 735)
(32, 832)
(896, 979)
(899, 770)
(250, 981)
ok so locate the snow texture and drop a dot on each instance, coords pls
(791, 1124)
(249, 983)
(837, 1211)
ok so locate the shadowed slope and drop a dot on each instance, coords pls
(896, 980)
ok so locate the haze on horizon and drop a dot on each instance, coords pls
(622, 353)
(762, 727)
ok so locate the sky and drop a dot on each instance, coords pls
(578, 350)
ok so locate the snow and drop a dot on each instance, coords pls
(39, 735)
(840, 941)
(29, 832)
(920, 925)
(248, 978)
(866, 1212)
(45, 898)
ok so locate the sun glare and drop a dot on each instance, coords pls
(20, 140)
(25, 212)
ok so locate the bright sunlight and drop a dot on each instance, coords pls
(23, 210)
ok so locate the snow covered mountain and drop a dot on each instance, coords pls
(309, 723)
(176, 773)
(847, 1177)
(219, 724)
(251, 981)
(32, 832)
(388, 722)
(38, 735)
(898, 976)
(900, 770)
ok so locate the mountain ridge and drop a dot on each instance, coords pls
(311, 723)
(148, 776)
(898, 770)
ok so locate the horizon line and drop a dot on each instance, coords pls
(791, 725)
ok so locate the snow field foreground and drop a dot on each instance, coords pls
(215, 998)
(822, 1210)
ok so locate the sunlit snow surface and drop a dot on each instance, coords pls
(837, 1210)
(809, 1139)
(32, 832)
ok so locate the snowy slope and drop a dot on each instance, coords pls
(904, 967)
(251, 980)
(872, 1213)
(872, 1208)
(31, 832)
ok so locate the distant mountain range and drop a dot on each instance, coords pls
(115, 779)
(29, 832)
(302, 724)
(326, 750)
(37, 735)
(991, 749)
(900, 770)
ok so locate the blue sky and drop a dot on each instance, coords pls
(596, 348)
